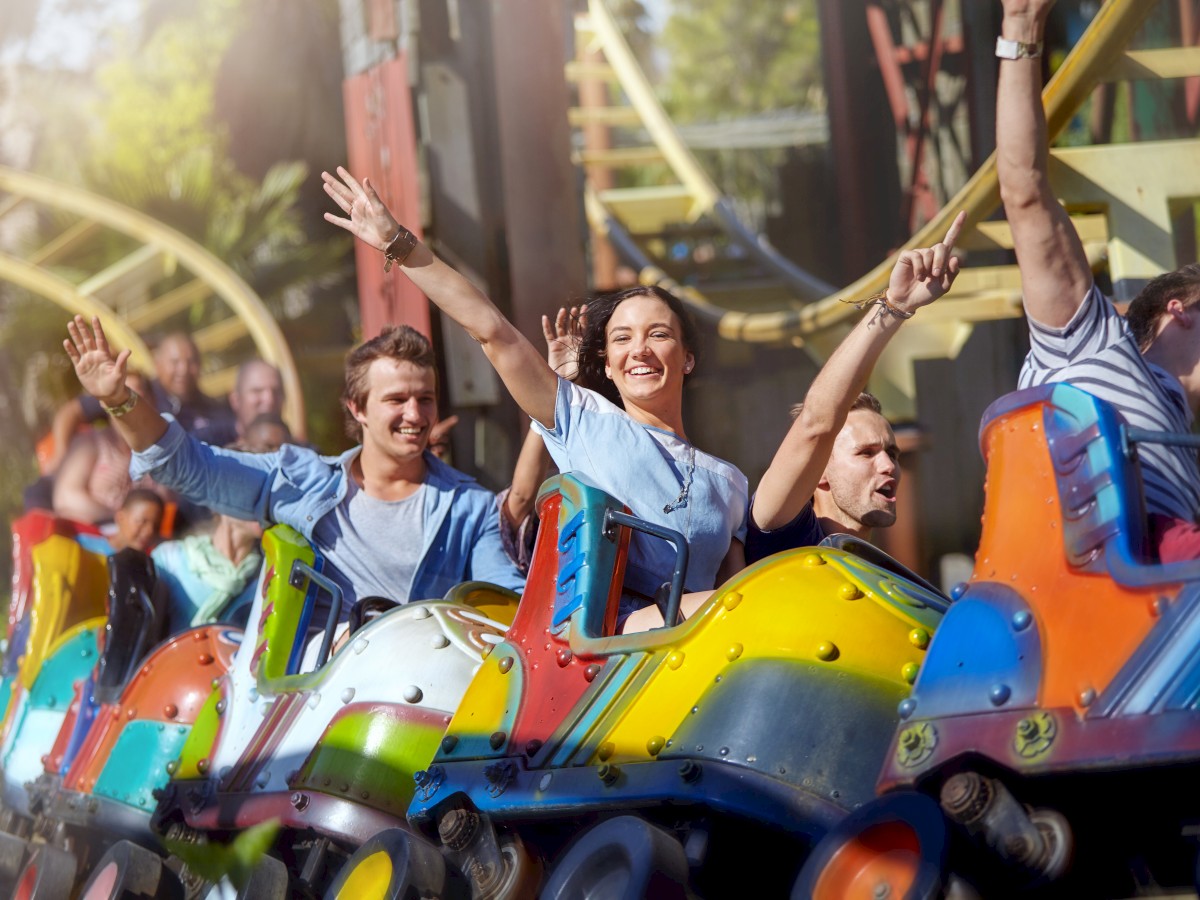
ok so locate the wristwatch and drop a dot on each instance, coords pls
(1006, 49)
(122, 408)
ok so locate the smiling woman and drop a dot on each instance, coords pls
(621, 426)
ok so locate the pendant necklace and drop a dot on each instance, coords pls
(681, 501)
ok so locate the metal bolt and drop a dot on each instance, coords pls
(609, 773)
(457, 828)
(690, 770)
(1027, 729)
(300, 801)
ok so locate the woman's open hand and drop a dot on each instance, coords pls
(369, 219)
(564, 334)
(101, 374)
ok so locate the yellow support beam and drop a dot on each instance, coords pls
(225, 283)
(131, 274)
(1143, 65)
(620, 157)
(69, 240)
(1096, 52)
(163, 307)
(58, 290)
(654, 118)
(613, 116)
(221, 334)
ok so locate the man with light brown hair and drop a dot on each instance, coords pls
(389, 518)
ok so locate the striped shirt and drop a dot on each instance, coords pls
(1097, 352)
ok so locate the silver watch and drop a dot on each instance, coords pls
(1006, 49)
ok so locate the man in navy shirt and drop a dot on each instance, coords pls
(836, 470)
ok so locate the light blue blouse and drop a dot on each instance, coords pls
(660, 477)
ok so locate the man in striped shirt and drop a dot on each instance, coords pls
(1147, 363)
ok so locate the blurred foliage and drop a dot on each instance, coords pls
(235, 861)
(160, 126)
(736, 58)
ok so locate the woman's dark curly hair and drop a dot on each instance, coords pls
(592, 349)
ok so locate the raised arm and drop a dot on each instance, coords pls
(1055, 275)
(563, 334)
(103, 376)
(530, 381)
(918, 278)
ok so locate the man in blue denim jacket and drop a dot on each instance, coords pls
(389, 518)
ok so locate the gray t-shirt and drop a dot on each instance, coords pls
(372, 546)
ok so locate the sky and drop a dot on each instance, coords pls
(62, 40)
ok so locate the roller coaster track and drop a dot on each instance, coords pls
(1119, 196)
(162, 279)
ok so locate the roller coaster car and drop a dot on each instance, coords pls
(80, 773)
(56, 585)
(328, 748)
(55, 645)
(754, 726)
(1055, 715)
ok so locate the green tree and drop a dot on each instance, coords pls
(732, 59)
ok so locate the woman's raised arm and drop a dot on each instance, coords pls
(522, 369)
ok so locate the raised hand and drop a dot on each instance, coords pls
(101, 374)
(921, 276)
(369, 220)
(439, 437)
(563, 335)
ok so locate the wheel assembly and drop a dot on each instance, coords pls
(49, 874)
(394, 865)
(893, 848)
(130, 872)
(622, 857)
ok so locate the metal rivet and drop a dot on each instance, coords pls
(449, 742)
(849, 591)
(605, 750)
(675, 659)
(564, 657)
(348, 695)
(497, 739)
(959, 589)
(826, 651)
(1087, 697)
(532, 746)
(999, 694)
(544, 783)
(170, 710)
(440, 641)
(732, 599)
(909, 672)
(734, 651)
(1021, 619)
(919, 638)
(506, 663)
(422, 612)
(655, 744)
(907, 707)
(814, 559)
(413, 694)
(590, 673)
